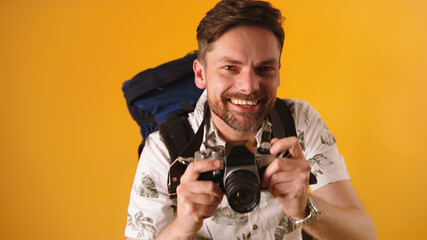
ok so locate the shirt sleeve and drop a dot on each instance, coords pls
(150, 210)
(319, 145)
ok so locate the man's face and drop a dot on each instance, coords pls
(241, 74)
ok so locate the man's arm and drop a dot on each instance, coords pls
(343, 216)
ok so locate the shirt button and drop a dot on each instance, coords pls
(255, 227)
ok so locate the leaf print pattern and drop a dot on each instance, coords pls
(327, 138)
(307, 115)
(226, 216)
(301, 138)
(146, 187)
(284, 228)
(245, 237)
(143, 225)
(200, 237)
(318, 162)
(211, 140)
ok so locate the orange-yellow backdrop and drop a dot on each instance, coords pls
(68, 144)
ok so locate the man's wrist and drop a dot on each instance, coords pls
(313, 213)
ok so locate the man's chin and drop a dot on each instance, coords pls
(245, 125)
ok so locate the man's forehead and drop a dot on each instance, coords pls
(241, 44)
(242, 58)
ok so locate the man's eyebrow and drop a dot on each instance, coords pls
(271, 61)
(230, 60)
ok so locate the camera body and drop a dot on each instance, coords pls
(239, 176)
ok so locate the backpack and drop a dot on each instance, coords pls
(162, 94)
(160, 98)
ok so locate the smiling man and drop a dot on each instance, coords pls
(242, 72)
(240, 44)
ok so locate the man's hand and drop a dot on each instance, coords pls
(287, 178)
(197, 200)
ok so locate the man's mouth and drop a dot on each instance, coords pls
(244, 103)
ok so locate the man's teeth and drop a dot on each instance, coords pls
(243, 102)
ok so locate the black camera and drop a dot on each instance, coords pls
(239, 176)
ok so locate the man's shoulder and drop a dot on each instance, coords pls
(155, 141)
(297, 105)
(305, 116)
(294, 101)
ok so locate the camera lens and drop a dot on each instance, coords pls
(242, 190)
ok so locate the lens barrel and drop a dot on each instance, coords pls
(242, 190)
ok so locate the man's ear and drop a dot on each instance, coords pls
(199, 74)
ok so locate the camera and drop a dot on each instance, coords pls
(239, 176)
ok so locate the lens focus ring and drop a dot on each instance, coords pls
(242, 190)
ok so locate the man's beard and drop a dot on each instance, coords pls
(239, 120)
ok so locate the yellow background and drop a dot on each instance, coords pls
(69, 145)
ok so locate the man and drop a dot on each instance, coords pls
(240, 44)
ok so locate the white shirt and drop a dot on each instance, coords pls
(150, 209)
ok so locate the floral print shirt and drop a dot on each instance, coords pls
(150, 210)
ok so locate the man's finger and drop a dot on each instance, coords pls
(207, 188)
(290, 144)
(287, 165)
(195, 168)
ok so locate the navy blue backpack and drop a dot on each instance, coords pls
(160, 96)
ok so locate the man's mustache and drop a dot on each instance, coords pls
(247, 97)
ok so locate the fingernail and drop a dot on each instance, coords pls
(272, 150)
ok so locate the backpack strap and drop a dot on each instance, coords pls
(196, 141)
(177, 167)
(282, 122)
(176, 132)
(179, 137)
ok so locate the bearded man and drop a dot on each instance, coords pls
(240, 45)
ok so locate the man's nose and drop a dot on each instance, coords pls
(248, 82)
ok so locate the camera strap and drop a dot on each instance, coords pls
(281, 119)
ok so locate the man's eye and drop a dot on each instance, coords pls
(230, 67)
(266, 69)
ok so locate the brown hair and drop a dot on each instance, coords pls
(228, 14)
